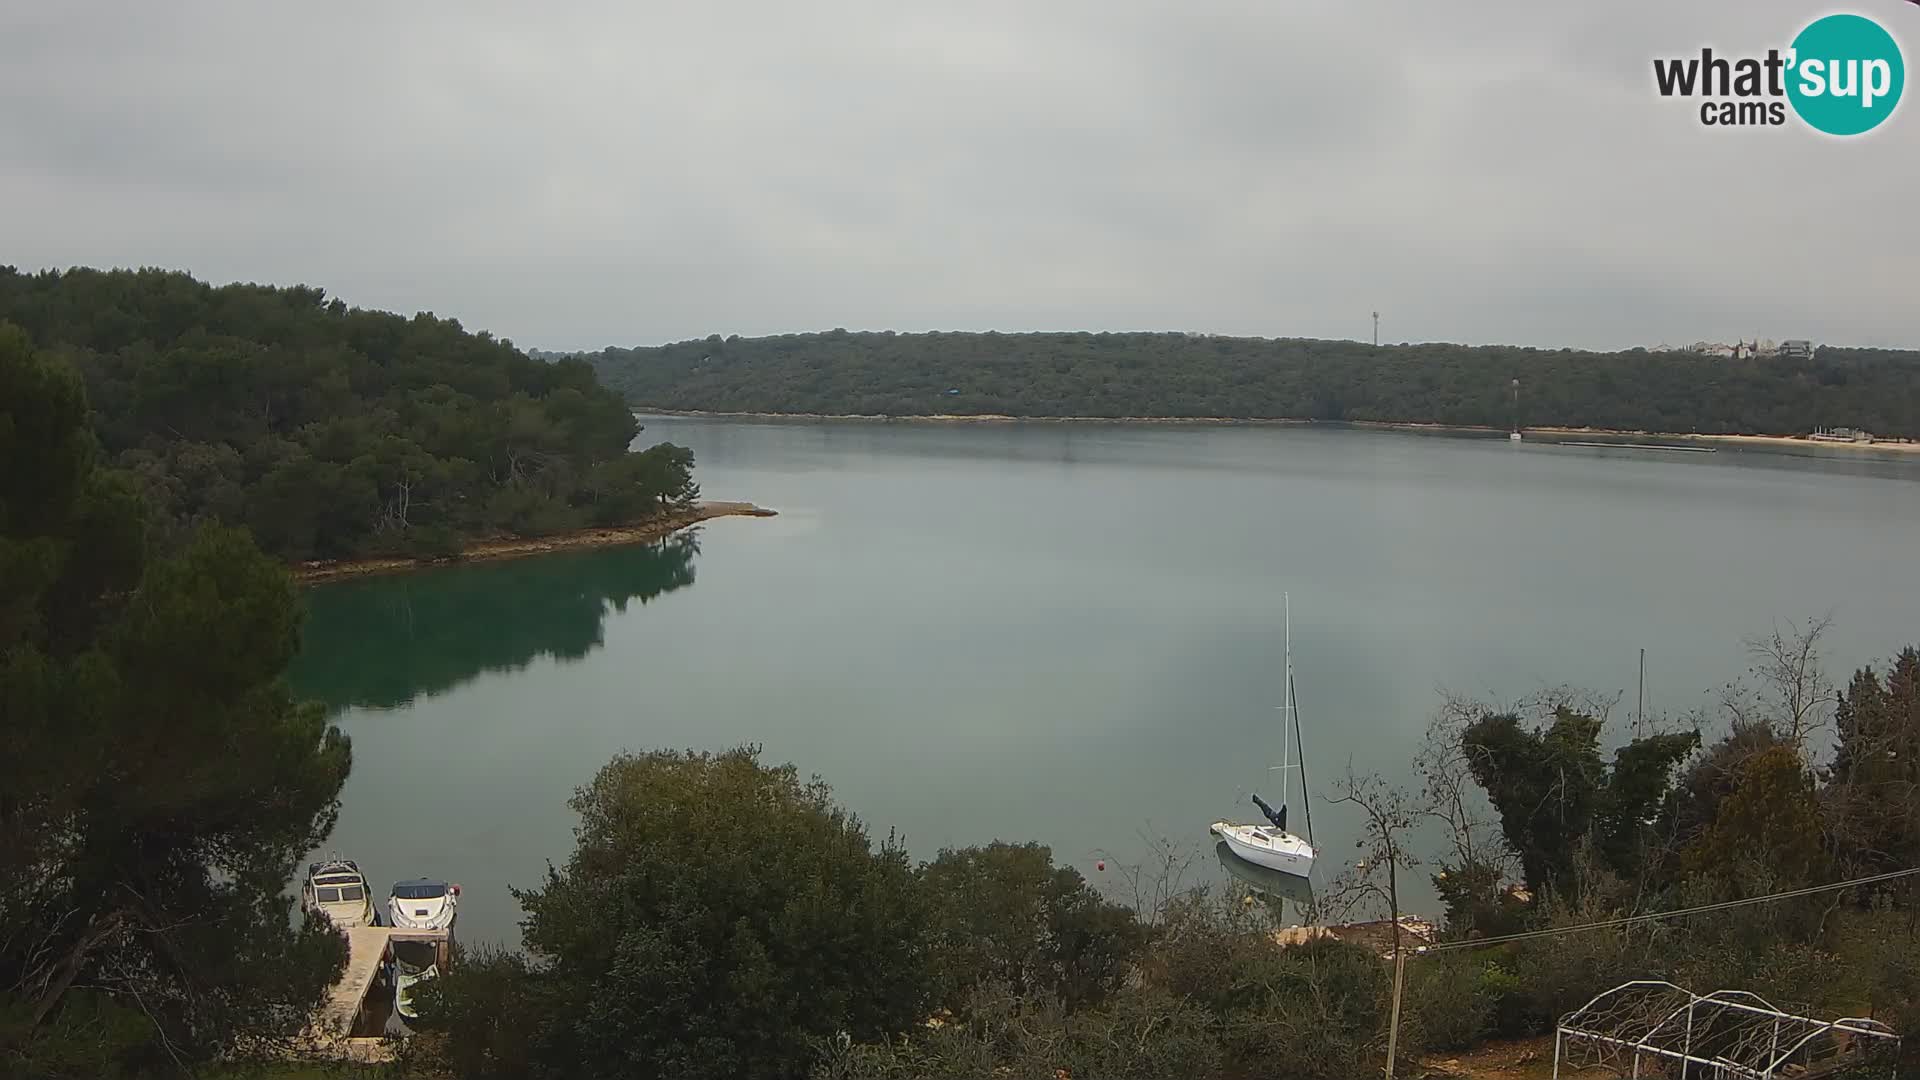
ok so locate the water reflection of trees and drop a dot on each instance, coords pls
(383, 642)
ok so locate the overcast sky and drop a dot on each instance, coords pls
(638, 172)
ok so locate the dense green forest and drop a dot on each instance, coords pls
(158, 782)
(1178, 375)
(332, 431)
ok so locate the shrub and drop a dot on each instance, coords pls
(1004, 912)
(1451, 998)
(717, 918)
(481, 1020)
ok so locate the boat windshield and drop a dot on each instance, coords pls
(348, 894)
(413, 956)
(327, 896)
(420, 890)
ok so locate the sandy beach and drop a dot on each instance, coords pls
(1553, 434)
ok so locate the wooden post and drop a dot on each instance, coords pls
(1393, 1024)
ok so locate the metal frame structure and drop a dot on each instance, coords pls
(1654, 1028)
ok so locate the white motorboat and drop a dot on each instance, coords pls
(337, 889)
(414, 962)
(423, 904)
(1270, 844)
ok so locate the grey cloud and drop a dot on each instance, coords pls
(1499, 171)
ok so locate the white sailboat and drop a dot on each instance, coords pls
(1271, 845)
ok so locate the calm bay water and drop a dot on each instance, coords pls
(1071, 633)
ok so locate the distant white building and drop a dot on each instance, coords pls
(1748, 350)
(1712, 348)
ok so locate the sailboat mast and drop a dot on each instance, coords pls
(1286, 715)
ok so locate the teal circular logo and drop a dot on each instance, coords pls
(1846, 74)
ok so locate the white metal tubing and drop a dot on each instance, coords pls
(1685, 1058)
(1687, 1047)
(1848, 1024)
(1393, 1023)
(1714, 999)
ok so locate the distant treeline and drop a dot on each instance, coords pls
(332, 431)
(1178, 375)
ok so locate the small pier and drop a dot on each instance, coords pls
(352, 1023)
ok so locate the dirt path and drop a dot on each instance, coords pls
(520, 547)
(1517, 1059)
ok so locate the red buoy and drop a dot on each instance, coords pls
(1101, 865)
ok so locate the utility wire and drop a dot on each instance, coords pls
(1448, 946)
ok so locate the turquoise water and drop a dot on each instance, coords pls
(1071, 633)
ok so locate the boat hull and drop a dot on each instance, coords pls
(1266, 847)
(1263, 879)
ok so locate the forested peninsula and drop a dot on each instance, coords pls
(334, 432)
(1177, 375)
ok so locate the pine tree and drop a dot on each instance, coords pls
(158, 784)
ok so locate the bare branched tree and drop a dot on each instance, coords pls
(1543, 704)
(1791, 692)
(1449, 794)
(1373, 881)
(1153, 884)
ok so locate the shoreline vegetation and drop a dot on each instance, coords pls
(1556, 434)
(1202, 376)
(995, 960)
(336, 433)
(322, 571)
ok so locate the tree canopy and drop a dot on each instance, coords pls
(1005, 913)
(1553, 791)
(332, 431)
(1182, 375)
(1874, 781)
(158, 784)
(717, 918)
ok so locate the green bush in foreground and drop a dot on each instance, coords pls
(1005, 913)
(718, 918)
